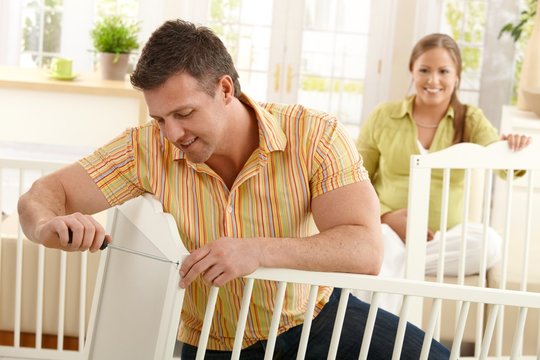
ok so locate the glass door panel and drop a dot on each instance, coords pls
(312, 52)
(333, 59)
(245, 26)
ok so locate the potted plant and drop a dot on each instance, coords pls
(529, 77)
(114, 38)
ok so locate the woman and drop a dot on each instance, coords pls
(430, 120)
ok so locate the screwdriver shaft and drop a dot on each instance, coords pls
(146, 255)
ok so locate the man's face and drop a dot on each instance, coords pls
(188, 117)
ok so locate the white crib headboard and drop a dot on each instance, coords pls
(137, 302)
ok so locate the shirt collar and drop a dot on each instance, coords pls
(271, 136)
(406, 108)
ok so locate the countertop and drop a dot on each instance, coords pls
(85, 83)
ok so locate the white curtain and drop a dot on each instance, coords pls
(10, 32)
(77, 20)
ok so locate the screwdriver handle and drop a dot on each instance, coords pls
(70, 240)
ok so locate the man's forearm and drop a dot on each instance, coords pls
(44, 200)
(344, 248)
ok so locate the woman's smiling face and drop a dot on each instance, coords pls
(435, 77)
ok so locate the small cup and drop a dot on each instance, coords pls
(61, 67)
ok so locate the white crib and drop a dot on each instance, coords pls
(44, 294)
(134, 224)
(520, 233)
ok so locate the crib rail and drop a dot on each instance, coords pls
(498, 184)
(35, 297)
(496, 299)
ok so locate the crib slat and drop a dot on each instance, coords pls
(276, 316)
(242, 318)
(504, 262)
(39, 293)
(207, 323)
(338, 323)
(82, 300)
(464, 234)
(506, 235)
(460, 329)
(463, 243)
(370, 325)
(490, 327)
(402, 326)
(434, 319)
(39, 299)
(308, 318)
(517, 342)
(464, 228)
(527, 245)
(18, 275)
(486, 218)
(444, 222)
(61, 300)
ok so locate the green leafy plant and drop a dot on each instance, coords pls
(113, 34)
(516, 29)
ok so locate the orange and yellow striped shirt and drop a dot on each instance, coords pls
(302, 154)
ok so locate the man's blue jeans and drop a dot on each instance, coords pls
(382, 342)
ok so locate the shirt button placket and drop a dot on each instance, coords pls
(229, 215)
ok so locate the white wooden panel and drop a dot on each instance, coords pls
(137, 303)
(469, 155)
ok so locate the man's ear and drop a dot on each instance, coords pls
(226, 88)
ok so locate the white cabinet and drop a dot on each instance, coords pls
(524, 122)
(520, 122)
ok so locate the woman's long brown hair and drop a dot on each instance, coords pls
(443, 41)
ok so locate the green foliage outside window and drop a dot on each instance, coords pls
(523, 26)
(520, 31)
(320, 84)
(467, 24)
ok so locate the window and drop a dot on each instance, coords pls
(41, 32)
(128, 8)
(333, 62)
(487, 74)
(51, 28)
(245, 27)
(465, 21)
(312, 52)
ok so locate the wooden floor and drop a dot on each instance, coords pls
(47, 342)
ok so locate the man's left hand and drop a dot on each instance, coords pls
(220, 261)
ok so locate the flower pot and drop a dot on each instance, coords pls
(530, 72)
(113, 67)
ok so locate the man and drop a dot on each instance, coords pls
(243, 181)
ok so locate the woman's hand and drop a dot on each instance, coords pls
(516, 142)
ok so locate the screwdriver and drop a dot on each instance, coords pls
(126, 250)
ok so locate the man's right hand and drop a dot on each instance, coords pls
(56, 203)
(86, 233)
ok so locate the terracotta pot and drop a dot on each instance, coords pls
(530, 72)
(111, 69)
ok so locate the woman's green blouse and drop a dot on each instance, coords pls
(387, 140)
